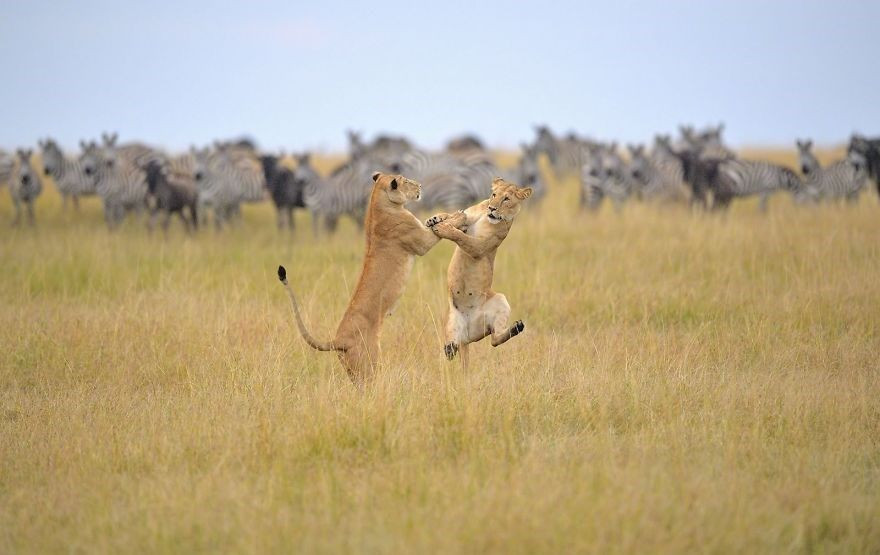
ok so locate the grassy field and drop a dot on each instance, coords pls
(686, 382)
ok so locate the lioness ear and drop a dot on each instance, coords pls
(376, 176)
(394, 183)
(524, 193)
(497, 182)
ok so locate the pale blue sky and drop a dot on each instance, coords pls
(298, 75)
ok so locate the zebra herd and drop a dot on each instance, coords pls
(697, 168)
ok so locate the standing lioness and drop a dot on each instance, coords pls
(475, 311)
(394, 238)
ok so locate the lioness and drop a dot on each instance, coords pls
(475, 311)
(394, 238)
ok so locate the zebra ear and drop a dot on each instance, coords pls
(808, 143)
(394, 184)
(376, 176)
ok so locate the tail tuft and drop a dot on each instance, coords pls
(282, 274)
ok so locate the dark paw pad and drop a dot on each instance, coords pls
(451, 349)
(432, 221)
(517, 328)
(282, 273)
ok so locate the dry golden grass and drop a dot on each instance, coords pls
(686, 382)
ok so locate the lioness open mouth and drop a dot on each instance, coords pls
(493, 218)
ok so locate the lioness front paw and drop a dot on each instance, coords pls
(517, 328)
(435, 219)
(457, 220)
(451, 349)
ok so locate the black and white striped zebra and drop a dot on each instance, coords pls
(7, 167)
(604, 175)
(25, 187)
(120, 183)
(226, 178)
(450, 181)
(657, 177)
(869, 150)
(742, 178)
(842, 179)
(68, 174)
(567, 155)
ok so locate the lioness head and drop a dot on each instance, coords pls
(506, 200)
(399, 189)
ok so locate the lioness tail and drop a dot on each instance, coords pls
(314, 343)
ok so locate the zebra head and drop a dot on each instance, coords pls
(545, 142)
(638, 164)
(26, 176)
(201, 158)
(806, 159)
(51, 156)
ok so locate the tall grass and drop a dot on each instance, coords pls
(685, 382)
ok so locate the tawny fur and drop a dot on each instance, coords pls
(394, 238)
(475, 310)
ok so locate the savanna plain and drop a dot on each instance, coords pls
(685, 382)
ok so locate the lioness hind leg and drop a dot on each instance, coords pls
(497, 312)
(360, 361)
(456, 332)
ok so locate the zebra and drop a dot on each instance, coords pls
(7, 167)
(566, 156)
(316, 194)
(746, 177)
(26, 187)
(225, 178)
(869, 150)
(843, 179)
(656, 176)
(450, 181)
(603, 175)
(68, 174)
(120, 183)
(285, 190)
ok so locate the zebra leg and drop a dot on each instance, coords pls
(279, 217)
(17, 219)
(151, 222)
(65, 200)
(762, 206)
(75, 199)
(32, 220)
(218, 218)
(291, 221)
(166, 221)
(194, 216)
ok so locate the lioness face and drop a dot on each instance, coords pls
(399, 189)
(506, 200)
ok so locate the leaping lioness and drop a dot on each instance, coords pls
(394, 238)
(475, 311)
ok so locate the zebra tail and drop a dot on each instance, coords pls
(313, 343)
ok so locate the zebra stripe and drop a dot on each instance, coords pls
(740, 178)
(68, 173)
(121, 184)
(842, 179)
(26, 186)
(657, 177)
(226, 178)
